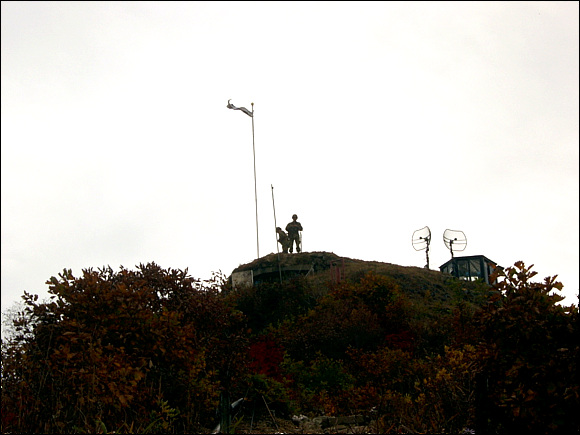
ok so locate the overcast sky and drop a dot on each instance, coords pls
(372, 120)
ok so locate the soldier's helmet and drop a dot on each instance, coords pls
(294, 216)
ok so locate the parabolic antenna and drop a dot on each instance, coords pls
(421, 240)
(454, 240)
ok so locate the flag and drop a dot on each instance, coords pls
(243, 109)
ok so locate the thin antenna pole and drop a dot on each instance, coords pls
(428, 239)
(255, 186)
(275, 236)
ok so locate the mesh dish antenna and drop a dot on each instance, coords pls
(454, 240)
(421, 241)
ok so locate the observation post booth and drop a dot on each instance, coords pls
(470, 268)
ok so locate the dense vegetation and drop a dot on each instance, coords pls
(154, 350)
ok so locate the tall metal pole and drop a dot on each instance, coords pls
(251, 115)
(276, 232)
(255, 186)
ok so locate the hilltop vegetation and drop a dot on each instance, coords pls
(154, 350)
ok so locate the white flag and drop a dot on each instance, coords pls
(243, 109)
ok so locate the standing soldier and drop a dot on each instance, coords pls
(283, 239)
(293, 229)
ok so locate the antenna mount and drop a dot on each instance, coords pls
(421, 241)
(454, 240)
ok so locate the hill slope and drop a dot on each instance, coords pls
(321, 267)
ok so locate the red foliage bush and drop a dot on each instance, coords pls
(266, 357)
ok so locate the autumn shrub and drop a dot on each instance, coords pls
(439, 319)
(505, 367)
(330, 329)
(269, 303)
(528, 353)
(362, 315)
(267, 396)
(418, 395)
(265, 357)
(155, 350)
(320, 385)
(444, 396)
(110, 348)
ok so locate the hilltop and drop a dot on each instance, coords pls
(320, 267)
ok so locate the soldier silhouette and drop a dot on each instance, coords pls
(283, 239)
(294, 229)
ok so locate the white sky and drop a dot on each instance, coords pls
(372, 120)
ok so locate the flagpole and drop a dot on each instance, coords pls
(276, 233)
(251, 115)
(255, 185)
